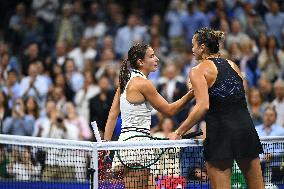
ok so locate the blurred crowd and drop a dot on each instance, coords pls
(59, 60)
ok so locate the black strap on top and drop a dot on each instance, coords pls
(138, 72)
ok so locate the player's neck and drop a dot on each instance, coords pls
(142, 73)
(208, 56)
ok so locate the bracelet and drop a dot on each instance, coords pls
(176, 132)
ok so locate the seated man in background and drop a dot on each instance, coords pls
(273, 153)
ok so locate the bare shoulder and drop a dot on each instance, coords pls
(140, 83)
(207, 69)
(232, 63)
(140, 80)
(235, 67)
(207, 65)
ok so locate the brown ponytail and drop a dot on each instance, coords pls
(124, 75)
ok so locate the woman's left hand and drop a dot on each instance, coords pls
(174, 136)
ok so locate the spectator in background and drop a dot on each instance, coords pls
(172, 88)
(107, 43)
(128, 35)
(171, 84)
(83, 130)
(95, 28)
(248, 62)
(115, 18)
(280, 55)
(255, 106)
(97, 11)
(278, 102)
(157, 24)
(78, 9)
(193, 20)
(82, 53)
(235, 52)
(31, 54)
(57, 94)
(253, 21)
(12, 87)
(262, 42)
(270, 128)
(34, 85)
(166, 126)
(7, 63)
(54, 125)
(60, 53)
(43, 72)
(33, 31)
(23, 168)
(157, 41)
(5, 66)
(32, 107)
(101, 103)
(170, 159)
(274, 20)
(46, 12)
(73, 77)
(188, 63)
(19, 123)
(43, 122)
(60, 81)
(266, 89)
(236, 35)
(68, 27)
(4, 162)
(4, 109)
(56, 70)
(268, 60)
(16, 27)
(107, 61)
(88, 91)
(173, 19)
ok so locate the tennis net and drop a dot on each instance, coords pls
(28, 162)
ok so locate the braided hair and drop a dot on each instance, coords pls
(210, 38)
(135, 53)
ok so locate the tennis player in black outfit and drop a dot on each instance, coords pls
(220, 97)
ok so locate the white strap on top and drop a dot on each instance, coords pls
(134, 73)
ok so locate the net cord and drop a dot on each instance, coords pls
(114, 145)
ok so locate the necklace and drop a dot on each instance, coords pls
(217, 55)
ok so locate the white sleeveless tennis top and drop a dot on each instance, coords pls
(136, 118)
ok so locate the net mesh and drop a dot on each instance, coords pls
(59, 164)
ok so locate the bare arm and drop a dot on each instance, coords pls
(112, 116)
(150, 93)
(200, 86)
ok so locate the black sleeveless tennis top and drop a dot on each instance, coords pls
(230, 133)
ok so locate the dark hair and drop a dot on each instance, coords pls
(13, 71)
(210, 38)
(65, 62)
(135, 53)
(36, 110)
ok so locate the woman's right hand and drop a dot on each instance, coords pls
(174, 136)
